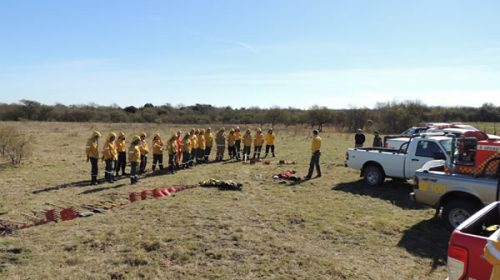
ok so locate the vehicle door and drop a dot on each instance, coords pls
(425, 150)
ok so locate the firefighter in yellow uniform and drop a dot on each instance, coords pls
(492, 254)
(209, 141)
(269, 140)
(143, 147)
(157, 152)
(316, 153)
(92, 153)
(202, 145)
(257, 143)
(231, 144)
(194, 145)
(237, 142)
(247, 144)
(178, 139)
(172, 153)
(134, 157)
(121, 148)
(109, 155)
(186, 151)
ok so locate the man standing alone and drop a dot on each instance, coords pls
(316, 153)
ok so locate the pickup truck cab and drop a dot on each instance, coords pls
(466, 258)
(376, 164)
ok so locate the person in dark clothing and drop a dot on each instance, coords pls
(359, 139)
(377, 140)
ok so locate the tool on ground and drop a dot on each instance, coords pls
(69, 213)
(36, 220)
(158, 193)
(86, 206)
(144, 195)
(132, 197)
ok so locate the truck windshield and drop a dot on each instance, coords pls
(446, 145)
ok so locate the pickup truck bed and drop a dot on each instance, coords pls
(458, 195)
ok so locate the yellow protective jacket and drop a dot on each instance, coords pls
(247, 139)
(134, 154)
(237, 135)
(109, 151)
(91, 148)
(194, 141)
(172, 147)
(209, 139)
(258, 140)
(230, 139)
(269, 138)
(316, 144)
(157, 146)
(120, 145)
(186, 145)
(202, 144)
(143, 147)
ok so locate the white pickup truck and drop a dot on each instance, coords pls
(376, 164)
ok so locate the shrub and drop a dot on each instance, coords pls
(14, 145)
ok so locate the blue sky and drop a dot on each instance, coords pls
(338, 54)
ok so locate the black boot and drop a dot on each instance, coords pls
(93, 180)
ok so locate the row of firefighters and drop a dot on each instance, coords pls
(183, 151)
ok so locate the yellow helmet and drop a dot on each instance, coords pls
(121, 134)
(143, 134)
(111, 134)
(157, 135)
(96, 134)
(136, 138)
(202, 131)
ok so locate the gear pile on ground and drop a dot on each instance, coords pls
(288, 162)
(222, 185)
(287, 175)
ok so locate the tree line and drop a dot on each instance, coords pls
(387, 117)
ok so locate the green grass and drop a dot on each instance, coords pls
(333, 227)
(490, 128)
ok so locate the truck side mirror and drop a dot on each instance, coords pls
(439, 155)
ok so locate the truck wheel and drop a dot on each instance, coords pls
(457, 211)
(373, 176)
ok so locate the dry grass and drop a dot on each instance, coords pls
(333, 227)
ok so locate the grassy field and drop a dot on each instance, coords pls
(333, 227)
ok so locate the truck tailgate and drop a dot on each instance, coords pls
(477, 266)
